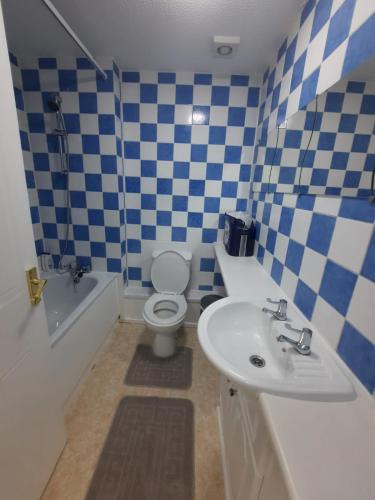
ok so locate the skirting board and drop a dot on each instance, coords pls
(134, 301)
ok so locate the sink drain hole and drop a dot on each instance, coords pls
(257, 361)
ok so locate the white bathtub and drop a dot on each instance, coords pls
(79, 318)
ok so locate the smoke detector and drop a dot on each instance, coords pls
(225, 46)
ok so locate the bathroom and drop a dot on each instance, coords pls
(188, 250)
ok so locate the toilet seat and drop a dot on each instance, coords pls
(157, 298)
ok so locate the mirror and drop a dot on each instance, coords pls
(328, 147)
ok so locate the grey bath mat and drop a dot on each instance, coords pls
(148, 453)
(149, 370)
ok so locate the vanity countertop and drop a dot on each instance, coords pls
(326, 450)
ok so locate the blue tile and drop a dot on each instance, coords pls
(81, 232)
(72, 123)
(196, 187)
(361, 46)
(334, 102)
(253, 97)
(305, 299)
(309, 86)
(36, 122)
(166, 77)
(232, 154)
(339, 27)
(30, 180)
(294, 256)
(105, 85)
(131, 112)
(306, 11)
(298, 70)
(178, 234)
(218, 279)
(148, 132)
(217, 135)
(289, 55)
(293, 139)
(212, 205)
(184, 94)
(30, 80)
(214, 171)
(198, 152)
(41, 162)
(164, 151)
(106, 124)
(24, 138)
(348, 123)
(179, 203)
(95, 217)
(219, 96)
(368, 268)
(181, 170)
(195, 219)
(13, 59)
(133, 216)
(207, 265)
(134, 273)
(163, 218)
(305, 202)
(19, 99)
(149, 93)
(361, 143)
(114, 265)
(236, 116)
(148, 232)
(202, 79)
(229, 189)
(45, 197)
(97, 249)
(277, 271)
(356, 87)
(201, 115)
(164, 186)
(352, 179)
(61, 215)
(339, 160)
(271, 240)
(130, 76)
(320, 233)
(93, 182)
(209, 235)
(88, 102)
(90, 144)
(132, 184)
(359, 354)
(110, 201)
(337, 286)
(148, 202)
(132, 150)
(368, 105)
(357, 209)
(165, 113)
(49, 230)
(321, 16)
(148, 168)
(59, 181)
(249, 136)
(326, 141)
(75, 163)
(112, 234)
(239, 80)
(182, 134)
(245, 171)
(84, 63)
(134, 246)
(67, 80)
(78, 199)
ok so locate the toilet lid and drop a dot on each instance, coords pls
(170, 273)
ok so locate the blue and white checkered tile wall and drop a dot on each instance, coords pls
(321, 249)
(331, 38)
(188, 141)
(92, 113)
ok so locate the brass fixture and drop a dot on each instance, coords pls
(35, 285)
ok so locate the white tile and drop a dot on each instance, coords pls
(312, 268)
(289, 282)
(362, 307)
(328, 321)
(301, 225)
(349, 243)
(281, 247)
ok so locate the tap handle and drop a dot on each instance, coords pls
(304, 331)
(276, 302)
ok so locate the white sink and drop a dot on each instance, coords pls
(232, 330)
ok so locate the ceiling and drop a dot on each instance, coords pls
(155, 34)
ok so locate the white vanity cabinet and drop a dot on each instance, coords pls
(250, 467)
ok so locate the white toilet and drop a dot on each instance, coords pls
(165, 310)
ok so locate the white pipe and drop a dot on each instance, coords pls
(69, 30)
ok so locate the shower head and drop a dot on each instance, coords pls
(54, 104)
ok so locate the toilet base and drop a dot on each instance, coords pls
(163, 345)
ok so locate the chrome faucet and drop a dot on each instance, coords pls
(303, 344)
(77, 271)
(281, 312)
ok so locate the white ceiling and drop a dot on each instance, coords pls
(155, 34)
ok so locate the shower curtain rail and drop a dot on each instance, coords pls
(73, 35)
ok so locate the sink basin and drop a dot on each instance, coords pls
(241, 341)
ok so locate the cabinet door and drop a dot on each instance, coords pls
(244, 481)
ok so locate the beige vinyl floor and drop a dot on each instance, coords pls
(90, 415)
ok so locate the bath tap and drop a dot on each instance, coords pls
(303, 344)
(280, 314)
(77, 271)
